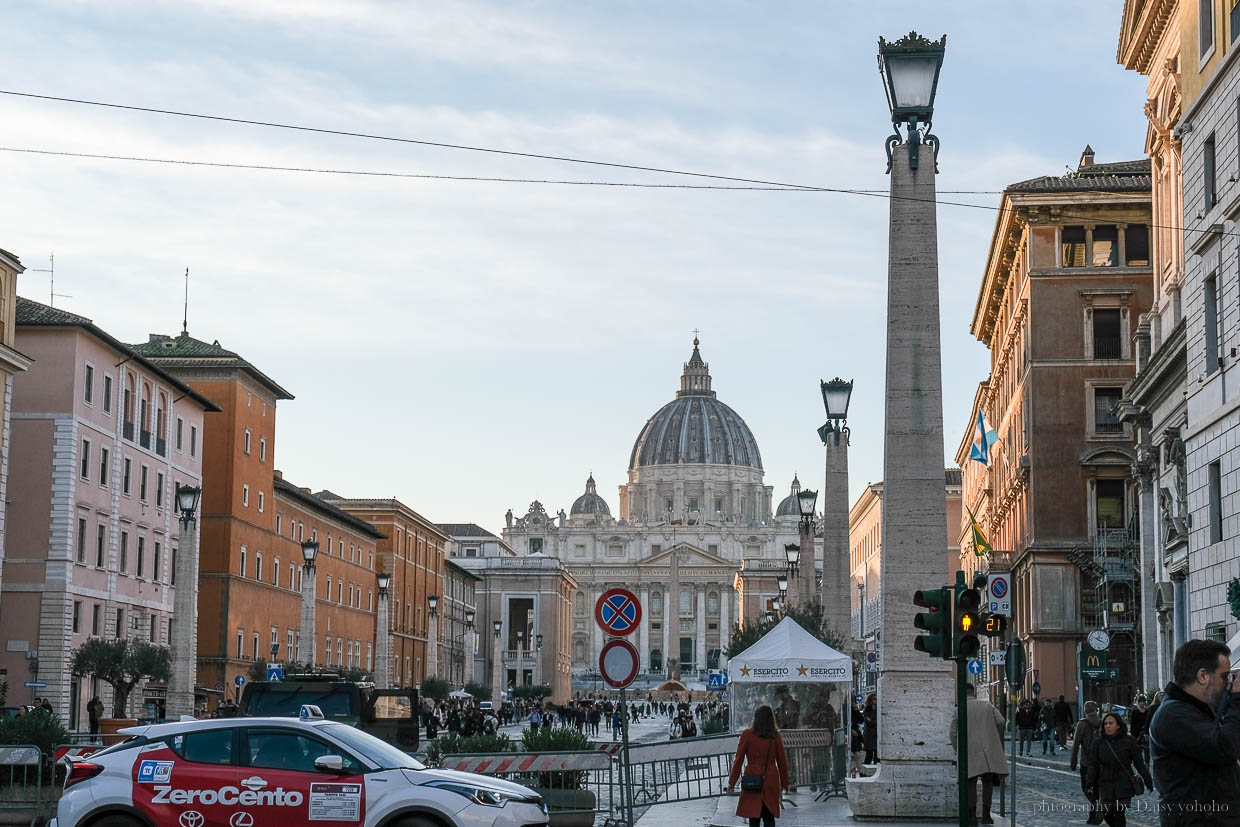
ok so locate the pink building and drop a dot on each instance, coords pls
(101, 439)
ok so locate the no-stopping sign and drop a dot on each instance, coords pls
(618, 663)
(617, 612)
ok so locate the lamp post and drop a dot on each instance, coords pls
(835, 436)
(184, 638)
(912, 717)
(538, 641)
(805, 564)
(383, 634)
(467, 653)
(497, 668)
(432, 637)
(792, 552)
(305, 640)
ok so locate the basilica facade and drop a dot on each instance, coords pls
(695, 536)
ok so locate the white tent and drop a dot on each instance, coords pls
(460, 693)
(789, 654)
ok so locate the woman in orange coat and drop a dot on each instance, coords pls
(762, 751)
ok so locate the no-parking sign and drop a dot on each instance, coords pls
(617, 612)
(1000, 588)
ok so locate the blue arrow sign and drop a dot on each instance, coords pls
(240, 681)
(975, 667)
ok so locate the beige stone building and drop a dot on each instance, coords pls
(11, 363)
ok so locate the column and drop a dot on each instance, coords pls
(643, 630)
(1180, 609)
(306, 636)
(1150, 551)
(699, 657)
(916, 767)
(432, 645)
(180, 700)
(836, 579)
(669, 618)
(383, 639)
(725, 622)
(497, 671)
(595, 591)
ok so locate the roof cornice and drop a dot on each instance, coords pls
(1142, 27)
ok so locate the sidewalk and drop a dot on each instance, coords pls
(798, 810)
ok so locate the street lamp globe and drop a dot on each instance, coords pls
(793, 552)
(835, 397)
(469, 620)
(187, 500)
(384, 580)
(782, 580)
(432, 600)
(538, 641)
(309, 550)
(807, 501)
(910, 69)
(497, 626)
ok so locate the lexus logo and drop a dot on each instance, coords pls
(242, 819)
(191, 818)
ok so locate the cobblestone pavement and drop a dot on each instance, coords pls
(1048, 794)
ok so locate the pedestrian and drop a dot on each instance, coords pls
(856, 741)
(985, 751)
(1087, 731)
(535, 720)
(1193, 749)
(94, 711)
(761, 750)
(1114, 756)
(870, 732)
(1139, 726)
(1026, 723)
(1046, 723)
(1063, 721)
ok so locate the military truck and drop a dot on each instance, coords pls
(389, 714)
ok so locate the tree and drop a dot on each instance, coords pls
(480, 692)
(434, 688)
(122, 664)
(810, 618)
(535, 692)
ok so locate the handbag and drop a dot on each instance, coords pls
(751, 782)
(1138, 786)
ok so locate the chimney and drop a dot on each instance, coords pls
(279, 474)
(1087, 158)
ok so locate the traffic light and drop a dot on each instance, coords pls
(966, 622)
(995, 625)
(937, 643)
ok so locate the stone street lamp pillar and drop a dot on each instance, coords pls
(432, 637)
(305, 640)
(916, 777)
(184, 640)
(835, 434)
(538, 642)
(497, 668)
(383, 635)
(806, 560)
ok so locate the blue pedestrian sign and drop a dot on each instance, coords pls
(975, 666)
(618, 612)
(274, 673)
(240, 681)
(717, 680)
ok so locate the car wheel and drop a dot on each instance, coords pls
(417, 821)
(116, 820)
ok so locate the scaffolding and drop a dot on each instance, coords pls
(1110, 600)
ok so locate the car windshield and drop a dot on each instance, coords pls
(368, 746)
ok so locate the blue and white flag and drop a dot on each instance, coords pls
(982, 440)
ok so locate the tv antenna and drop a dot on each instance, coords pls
(52, 295)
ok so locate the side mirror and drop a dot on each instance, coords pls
(329, 763)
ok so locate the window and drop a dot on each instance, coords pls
(1234, 24)
(180, 432)
(255, 646)
(275, 572)
(141, 556)
(172, 566)
(1105, 420)
(77, 616)
(258, 566)
(260, 502)
(718, 505)
(1107, 334)
(329, 587)
(142, 483)
(686, 600)
(159, 489)
(245, 495)
(124, 552)
(107, 394)
(103, 466)
(81, 540)
(712, 603)
(291, 650)
(155, 561)
(1215, 484)
(85, 469)
(1137, 245)
(1072, 244)
(262, 449)
(243, 561)
(246, 447)
(1207, 173)
(88, 393)
(693, 504)
(1205, 28)
(154, 621)
(1210, 289)
(125, 476)
(1106, 246)
(99, 543)
(1109, 503)
(120, 624)
(339, 592)
(279, 519)
(615, 550)
(193, 440)
(241, 643)
(94, 619)
(291, 575)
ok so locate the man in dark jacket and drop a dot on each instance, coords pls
(1138, 726)
(1087, 731)
(1063, 721)
(1194, 751)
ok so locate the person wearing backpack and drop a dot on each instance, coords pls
(1115, 754)
(1087, 731)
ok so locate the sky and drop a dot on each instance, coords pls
(466, 346)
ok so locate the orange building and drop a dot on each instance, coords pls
(412, 551)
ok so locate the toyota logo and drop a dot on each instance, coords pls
(241, 819)
(191, 818)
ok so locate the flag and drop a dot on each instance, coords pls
(981, 546)
(982, 440)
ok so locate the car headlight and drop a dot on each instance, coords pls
(478, 794)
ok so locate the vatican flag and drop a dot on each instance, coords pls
(981, 546)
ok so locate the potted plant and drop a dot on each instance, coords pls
(570, 802)
(121, 664)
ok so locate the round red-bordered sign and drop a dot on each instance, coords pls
(618, 663)
(618, 612)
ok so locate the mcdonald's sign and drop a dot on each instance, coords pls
(1092, 660)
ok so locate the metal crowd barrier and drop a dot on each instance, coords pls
(681, 770)
(584, 784)
(817, 758)
(21, 777)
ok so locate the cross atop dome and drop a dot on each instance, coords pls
(695, 381)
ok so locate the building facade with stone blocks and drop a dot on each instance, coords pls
(93, 526)
(530, 595)
(865, 542)
(696, 537)
(1155, 404)
(1211, 298)
(459, 635)
(1066, 279)
(412, 550)
(238, 522)
(12, 363)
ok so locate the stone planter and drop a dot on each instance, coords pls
(109, 727)
(568, 808)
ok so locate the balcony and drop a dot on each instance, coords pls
(1107, 347)
(524, 657)
(144, 439)
(161, 447)
(127, 431)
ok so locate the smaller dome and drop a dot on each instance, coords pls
(788, 506)
(590, 502)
